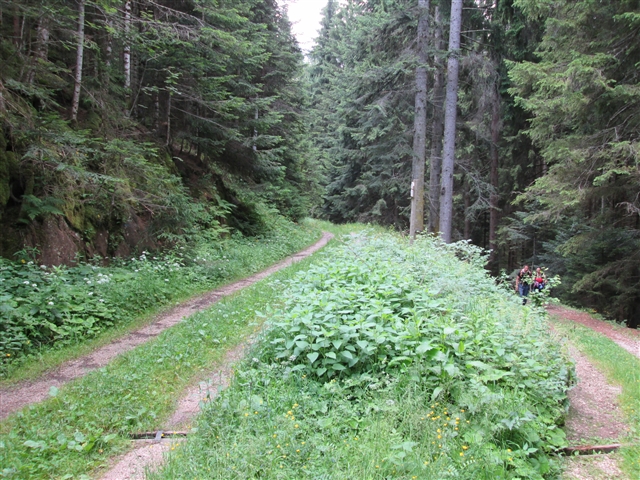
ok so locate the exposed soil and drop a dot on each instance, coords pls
(17, 396)
(627, 338)
(594, 416)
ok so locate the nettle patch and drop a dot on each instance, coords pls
(388, 317)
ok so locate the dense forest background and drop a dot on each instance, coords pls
(136, 124)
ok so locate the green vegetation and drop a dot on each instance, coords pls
(89, 420)
(389, 361)
(62, 307)
(621, 368)
(160, 121)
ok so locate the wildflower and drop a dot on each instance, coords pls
(462, 454)
(295, 426)
(464, 447)
(50, 303)
(23, 261)
(90, 293)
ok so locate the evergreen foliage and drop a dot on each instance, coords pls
(189, 121)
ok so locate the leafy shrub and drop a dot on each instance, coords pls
(390, 337)
(54, 306)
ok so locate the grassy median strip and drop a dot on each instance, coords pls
(389, 361)
(620, 368)
(90, 420)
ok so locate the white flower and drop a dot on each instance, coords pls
(101, 301)
(44, 267)
(90, 293)
(26, 282)
(34, 285)
(166, 279)
(50, 303)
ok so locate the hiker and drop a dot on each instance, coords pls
(523, 283)
(539, 280)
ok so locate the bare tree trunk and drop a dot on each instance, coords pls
(467, 205)
(17, 33)
(42, 44)
(435, 164)
(127, 52)
(168, 142)
(451, 104)
(75, 103)
(416, 223)
(494, 197)
(2, 105)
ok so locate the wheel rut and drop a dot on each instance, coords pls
(18, 396)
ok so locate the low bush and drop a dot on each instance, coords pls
(44, 307)
(390, 361)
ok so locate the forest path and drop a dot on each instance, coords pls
(16, 397)
(595, 416)
(627, 338)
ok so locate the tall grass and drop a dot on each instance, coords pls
(389, 361)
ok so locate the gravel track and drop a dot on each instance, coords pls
(16, 397)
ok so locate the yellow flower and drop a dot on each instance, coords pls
(246, 414)
(298, 450)
(303, 443)
(464, 447)
(462, 454)
(439, 436)
(295, 426)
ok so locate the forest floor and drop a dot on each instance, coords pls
(594, 416)
(594, 412)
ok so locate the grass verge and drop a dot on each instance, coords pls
(66, 313)
(88, 421)
(620, 368)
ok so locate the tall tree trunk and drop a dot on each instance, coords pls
(42, 44)
(127, 53)
(451, 104)
(75, 103)
(494, 197)
(2, 105)
(168, 141)
(435, 164)
(416, 223)
(467, 205)
(17, 32)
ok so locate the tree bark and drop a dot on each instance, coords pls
(2, 105)
(467, 205)
(494, 197)
(17, 33)
(416, 223)
(42, 44)
(451, 104)
(127, 52)
(75, 103)
(435, 164)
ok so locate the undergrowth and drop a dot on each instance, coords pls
(389, 361)
(46, 308)
(90, 420)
